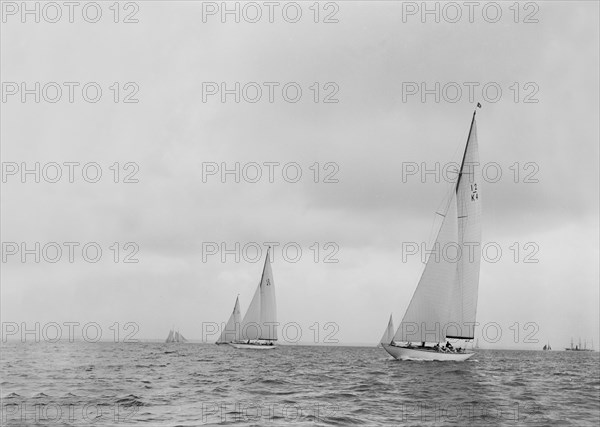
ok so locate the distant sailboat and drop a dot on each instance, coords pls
(547, 347)
(445, 301)
(231, 332)
(388, 334)
(258, 330)
(175, 336)
(580, 347)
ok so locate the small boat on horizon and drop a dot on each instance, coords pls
(580, 347)
(444, 303)
(547, 347)
(175, 336)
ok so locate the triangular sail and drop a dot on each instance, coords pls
(176, 337)
(468, 198)
(445, 301)
(429, 307)
(170, 337)
(388, 334)
(231, 332)
(260, 321)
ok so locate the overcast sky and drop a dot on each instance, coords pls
(369, 56)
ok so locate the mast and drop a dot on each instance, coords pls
(462, 163)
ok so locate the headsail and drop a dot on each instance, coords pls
(260, 321)
(231, 332)
(388, 334)
(445, 301)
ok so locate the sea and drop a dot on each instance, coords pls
(187, 384)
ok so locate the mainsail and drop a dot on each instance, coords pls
(260, 321)
(388, 335)
(231, 332)
(170, 337)
(444, 304)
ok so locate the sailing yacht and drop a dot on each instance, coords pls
(444, 303)
(175, 336)
(258, 330)
(547, 346)
(580, 347)
(388, 334)
(231, 332)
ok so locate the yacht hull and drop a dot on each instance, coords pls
(415, 353)
(252, 346)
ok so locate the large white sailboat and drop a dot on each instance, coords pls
(444, 303)
(231, 332)
(258, 330)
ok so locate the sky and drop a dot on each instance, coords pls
(363, 207)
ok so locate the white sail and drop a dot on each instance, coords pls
(231, 332)
(176, 337)
(468, 197)
(261, 318)
(183, 339)
(170, 337)
(445, 301)
(388, 334)
(429, 307)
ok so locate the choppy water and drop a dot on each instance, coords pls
(193, 384)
